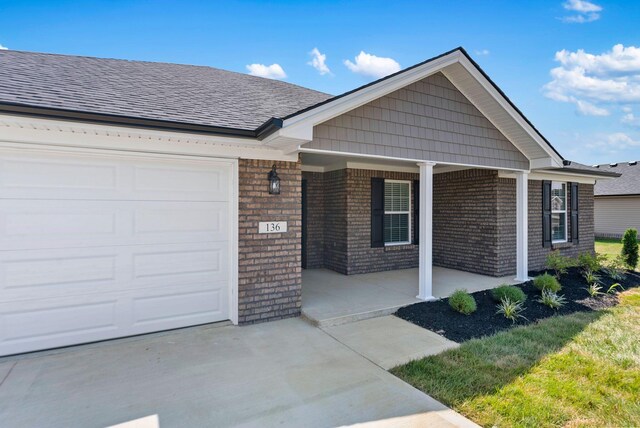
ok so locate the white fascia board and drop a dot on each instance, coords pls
(365, 156)
(543, 163)
(555, 176)
(301, 125)
(464, 61)
(50, 132)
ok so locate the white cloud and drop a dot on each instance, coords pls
(3, 48)
(614, 143)
(318, 61)
(630, 119)
(585, 11)
(588, 109)
(482, 52)
(591, 80)
(372, 66)
(273, 71)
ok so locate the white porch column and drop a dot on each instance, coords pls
(522, 226)
(425, 238)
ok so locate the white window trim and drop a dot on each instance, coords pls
(566, 219)
(392, 244)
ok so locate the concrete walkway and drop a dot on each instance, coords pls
(284, 373)
(389, 341)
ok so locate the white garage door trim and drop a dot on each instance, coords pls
(232, 164)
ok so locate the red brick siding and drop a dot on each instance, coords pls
(269, 271)
(335, 221)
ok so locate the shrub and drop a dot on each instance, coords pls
(558, 263)
(551, 299)
(616, 268)
(511, 291)
(630, 248)
(594, 289)
(510, 309)
(546, 282)
(591, 261)
(463, 302)
(590, 277)
(614, 288)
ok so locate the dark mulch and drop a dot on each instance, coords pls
(439, 317)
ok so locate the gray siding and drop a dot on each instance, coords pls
(614, 215)
(429, 120)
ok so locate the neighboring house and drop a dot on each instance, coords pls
(135, 195)
(617, 202)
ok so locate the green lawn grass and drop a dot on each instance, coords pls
(576, 370)
(609, 247)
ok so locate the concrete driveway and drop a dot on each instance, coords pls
(284, 373)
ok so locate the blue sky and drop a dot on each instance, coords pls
(572, 66)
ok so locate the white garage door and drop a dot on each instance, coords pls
(97, 246)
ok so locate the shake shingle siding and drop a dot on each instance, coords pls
(428, 120)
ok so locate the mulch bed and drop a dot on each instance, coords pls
(439, 317)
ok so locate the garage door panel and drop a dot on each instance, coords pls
(34, 224)
(171, 181)
(108, 177)
(25, 326)
(70, 272)
(62, 321)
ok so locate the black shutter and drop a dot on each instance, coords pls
(546, 214)
(574, 212)
(377, 212)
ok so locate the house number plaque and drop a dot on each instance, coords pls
(272, 227)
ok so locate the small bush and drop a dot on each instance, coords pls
(510, 309)
(594, 289)
(616, 268)
(511, 291)
(551, 299)
(591, 261)
(630, 248)
(463, 302)
(546, 282)
(558, 263)
(614, 288)
(590, 277)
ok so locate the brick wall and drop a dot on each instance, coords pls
(360, 256)
(537, 253)
(474, 223)
(335, 221)
(465, 221)
(315, 219)
(269, 272)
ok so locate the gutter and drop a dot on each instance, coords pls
(261, 132)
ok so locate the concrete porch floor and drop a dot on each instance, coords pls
(330, 298)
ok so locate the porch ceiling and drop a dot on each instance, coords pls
(322, 162)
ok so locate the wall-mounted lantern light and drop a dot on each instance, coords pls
(274, 181)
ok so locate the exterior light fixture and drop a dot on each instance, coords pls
(274, 181)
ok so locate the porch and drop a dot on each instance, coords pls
(330, 298)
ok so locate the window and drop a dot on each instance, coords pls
(397, 203)
(558, 211)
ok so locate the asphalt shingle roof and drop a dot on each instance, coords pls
(148, 90)
(627, 184)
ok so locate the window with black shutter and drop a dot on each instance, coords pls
(574, 212)
(377, 212)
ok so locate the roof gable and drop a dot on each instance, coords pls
(465, 75)
(428, 120)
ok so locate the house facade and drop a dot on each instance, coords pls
(140, 200)
(617, 202)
